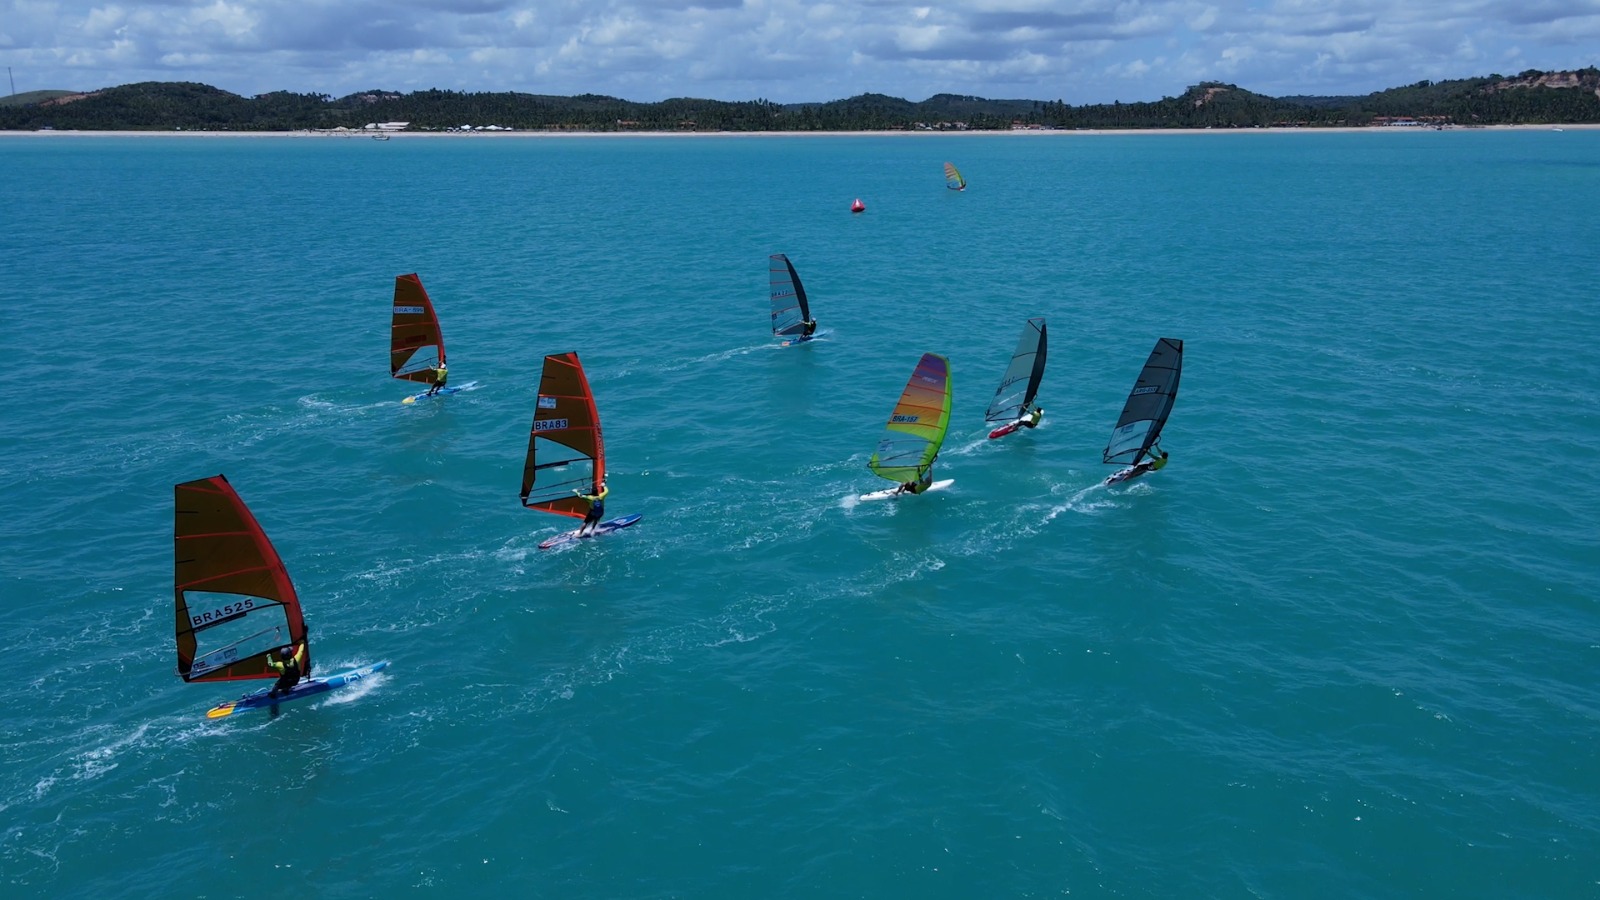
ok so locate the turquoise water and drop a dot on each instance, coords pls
(1345, 645)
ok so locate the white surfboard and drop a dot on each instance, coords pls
(896, 492)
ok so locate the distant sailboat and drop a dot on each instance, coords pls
(1145, 413)
(953, 179)
(235, 603)
(566, 453)
(416, 344)
(791, 314)
(1013, 400)
(915, 431)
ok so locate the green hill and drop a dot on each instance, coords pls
(1532, 97)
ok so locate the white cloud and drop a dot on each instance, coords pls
(1083, 51)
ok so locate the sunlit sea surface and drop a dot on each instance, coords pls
(1345, 645)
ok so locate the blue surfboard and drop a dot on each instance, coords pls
(605, 527)
(805, 340)
(442, 392)
(311, 687)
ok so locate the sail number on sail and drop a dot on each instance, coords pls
(226, 613)
(549, 424)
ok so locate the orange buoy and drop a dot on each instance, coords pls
(858, 206)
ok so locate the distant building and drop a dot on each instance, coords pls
(386, 126)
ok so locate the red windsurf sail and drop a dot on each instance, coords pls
(235, 602)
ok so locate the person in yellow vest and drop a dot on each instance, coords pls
(288, 663)
(597, 510)
(1151, 463)
(918, 486)
(1031, 420)
(440, 375)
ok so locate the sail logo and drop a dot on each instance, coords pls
(549, 424)
(408, 310)
(224, 613)
(226, 656)
(905, 419)
(1144, 390)
(547, 402)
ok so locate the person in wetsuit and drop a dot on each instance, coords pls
(288, 662)
(918, 486)
(440, 376)
(597, 510)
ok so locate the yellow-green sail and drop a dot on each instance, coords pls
(916, 428)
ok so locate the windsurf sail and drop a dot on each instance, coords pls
(1149, 404)
(566, 455)
(416, 345)
(1021, 382)
(235, 603)
(916, 428)
(953, 179)
(790, 311)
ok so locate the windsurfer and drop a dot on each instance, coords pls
(440, 376)
(288, 666)
(918, 486)
(810, 329)
(1150, 464)
(597, 510)
(1031, 419)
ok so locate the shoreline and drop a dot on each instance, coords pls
(564, 134)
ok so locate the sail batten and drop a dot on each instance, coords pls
(416, 344)
(790, 310)
(229, 582)
(916, 428)
(566, 452)
(1020, 385)
(1149, 404)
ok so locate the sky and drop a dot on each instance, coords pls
(790, 51)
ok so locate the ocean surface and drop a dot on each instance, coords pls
(1345, 645)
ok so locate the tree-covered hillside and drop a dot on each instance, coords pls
(1533, 97)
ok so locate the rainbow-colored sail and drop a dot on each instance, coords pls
(916, 429)
(953, 179)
